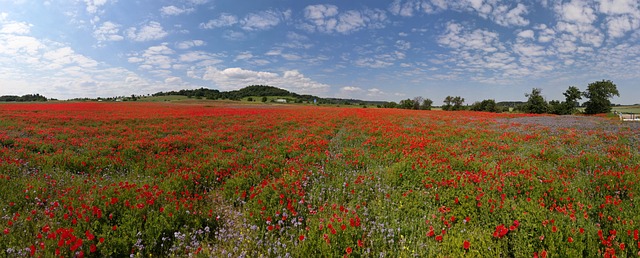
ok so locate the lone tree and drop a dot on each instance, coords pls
(568, 106)
(447, 103)
(453, 103)
(426, 104)
(487, 105)
(572, 95)
(536, 103)
(406, 104)
(417, 101)
(599, 93)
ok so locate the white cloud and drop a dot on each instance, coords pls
(512, 17)
(529, 49)
(150, 31)
(200, 58)
(61, 57)
(264, 20)
(622, 16)
(173, 10)
(576, 11)
(190, 43)
(22, 48)
(527, 34)
(458, 38)
(55, 70)
(198, 2)
(618, 26)
(351, 89)
(545, 34)
(154, 57)
(618, 6)
(173, 81)
(327, 19)
(403, 45)
(18, 28)
(320, 12)
(236, 78)
(108, 31)
(502, 12)
(224, 20)
(358, 92)
(93, 5)
(234, 35)
(407, 8)
(397, 7)
(374, 92)
(243, 56)
(295, 40)
(287, 56)
(372, 63)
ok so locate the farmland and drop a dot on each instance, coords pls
(120, 179)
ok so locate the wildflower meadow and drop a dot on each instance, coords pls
(219, 180)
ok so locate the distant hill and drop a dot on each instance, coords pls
(261, 91)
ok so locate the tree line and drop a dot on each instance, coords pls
(23, 98)
(598, 95)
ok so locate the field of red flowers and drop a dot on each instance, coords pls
(129, 179)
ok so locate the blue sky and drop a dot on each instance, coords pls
(374, 50)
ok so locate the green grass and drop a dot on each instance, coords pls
(627, 109)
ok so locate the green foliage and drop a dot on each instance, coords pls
(417, 103)
(426, 104)
(599, 93)
(536, 103)
(406, 104)
(23, 98)
(453, 103)
(567, 107)
(390, 105)
(487, 105)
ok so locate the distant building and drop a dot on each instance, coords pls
(281, 100)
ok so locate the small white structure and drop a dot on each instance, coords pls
(629, 117)
(281, 100)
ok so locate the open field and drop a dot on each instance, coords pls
(627, 109)
(218, 179)
(163, 98)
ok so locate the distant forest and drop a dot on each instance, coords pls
(23, 98)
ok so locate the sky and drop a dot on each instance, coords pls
(364, 49)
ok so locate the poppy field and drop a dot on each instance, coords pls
(218, 180)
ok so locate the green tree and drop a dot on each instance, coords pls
(417, 101)
(457, 103)
(390, 105)
(426, 104)
(536, 103)
(599, 93)
(406, 104)
(447, 103)
(264, 99)
(572, 95)
(487, 105)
